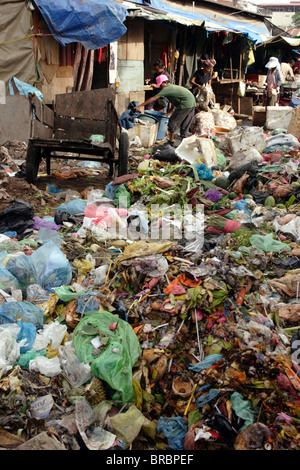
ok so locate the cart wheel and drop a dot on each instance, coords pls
(123, 154)
(33, 159)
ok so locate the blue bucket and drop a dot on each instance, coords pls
(162, 122)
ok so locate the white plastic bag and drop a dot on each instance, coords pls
(52, 334)
(45, 366)
(9, 347)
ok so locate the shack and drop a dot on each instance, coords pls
(109, 43)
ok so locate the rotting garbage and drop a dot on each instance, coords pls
(142, 329)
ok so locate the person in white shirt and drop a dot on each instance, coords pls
(287, 70)
(273, 81)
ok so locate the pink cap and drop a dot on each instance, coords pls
(160, 79)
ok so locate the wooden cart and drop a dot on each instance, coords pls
(68, 127)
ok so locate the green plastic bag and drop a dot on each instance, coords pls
(122, 198)
(113, 361)
(268, 244)
(242, 409)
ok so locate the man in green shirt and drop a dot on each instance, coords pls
(183, 106)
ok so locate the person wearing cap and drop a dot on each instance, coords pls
(160, 69)
(183, 106)
(273, 81)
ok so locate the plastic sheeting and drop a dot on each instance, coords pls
(16, 53)
(212, 19)
(93, 23)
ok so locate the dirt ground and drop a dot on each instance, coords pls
(40, 197)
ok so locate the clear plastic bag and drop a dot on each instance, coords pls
(77, 372)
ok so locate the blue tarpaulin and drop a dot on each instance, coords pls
(213, 19)
(93, 23)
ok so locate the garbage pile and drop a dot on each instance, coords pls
(162, 312)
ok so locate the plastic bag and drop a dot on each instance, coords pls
(153, 266)
(77, 372)
(24, 359)
(113, 363)
(45, 235)
(28, 333)
(7, 280)
(123, 197)
(127, 426)
(242, 409)
(38, 223)
(268, 244)
(73, 207)
(11, 312)
(41, 407)
(206, 363)
(18, 217)
(9, 347)
(88, 302)
(52, 334)
(47, 266)
(175, 430)
(45, 366)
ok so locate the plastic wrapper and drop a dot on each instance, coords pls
(41, 407)
(114, 363)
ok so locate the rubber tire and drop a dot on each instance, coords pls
(123, 154)
(33, 159)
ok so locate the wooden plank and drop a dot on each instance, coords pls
(48, 116)
(85, 104)
(38, 108)
(135, 40)
(39, 131)
(73, 129)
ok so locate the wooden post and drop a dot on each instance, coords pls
(182, 58)
(240, 78)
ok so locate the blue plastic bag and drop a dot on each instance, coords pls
(206, 363)
(13, 312)
(175, 430)
(74, 207)
(7, 280)
(47, 266)
(207, 396)
(28, 332)
(88, 302)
